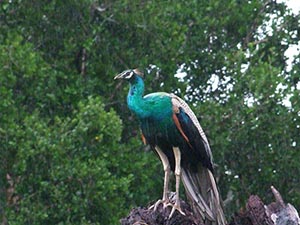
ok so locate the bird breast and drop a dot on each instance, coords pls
(160, 130)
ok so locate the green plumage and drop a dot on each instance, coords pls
(156, 105)
(154, 112)
(174, 133)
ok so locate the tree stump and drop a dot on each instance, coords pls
(255, 213)
(146, 216)
(276, 213)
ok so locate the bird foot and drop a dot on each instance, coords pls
(160, 201)
(166, 203)
(177, 207)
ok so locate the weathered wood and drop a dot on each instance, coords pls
(146, 216)
(254, 213)
(276, 213)
(281, 213)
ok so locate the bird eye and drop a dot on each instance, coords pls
(129, 75)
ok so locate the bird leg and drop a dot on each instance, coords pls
(176, 206)
(166, 165)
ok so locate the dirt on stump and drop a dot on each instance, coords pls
(146, 216)
(256, 212)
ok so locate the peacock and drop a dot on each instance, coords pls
(173, 131)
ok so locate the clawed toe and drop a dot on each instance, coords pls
(167, 203)
(156, 204)
(177, 207)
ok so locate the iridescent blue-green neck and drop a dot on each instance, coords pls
(155, 106)
(135, 100)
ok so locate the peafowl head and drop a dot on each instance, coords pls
(130, 75)
(136, 81)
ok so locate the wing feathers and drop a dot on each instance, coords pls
(178, 104)
(143, 138)
(200, 185)
(177, 123)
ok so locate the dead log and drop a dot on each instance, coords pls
(254, 213)
(276, 213)
(146, 216)
(281, 213)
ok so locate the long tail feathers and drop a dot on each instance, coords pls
(203, 194)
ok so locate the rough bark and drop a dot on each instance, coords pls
(276, 213)
(146, 216)
(254, 213)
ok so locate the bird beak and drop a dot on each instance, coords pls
(126, 75)
(119, 76)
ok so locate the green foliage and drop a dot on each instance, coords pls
(69, 157)
(73, 171)
(65, 159)
(65, 166)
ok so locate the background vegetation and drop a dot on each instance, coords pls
(71, 150)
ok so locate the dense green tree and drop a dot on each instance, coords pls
(63, 157)
(69, 170)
